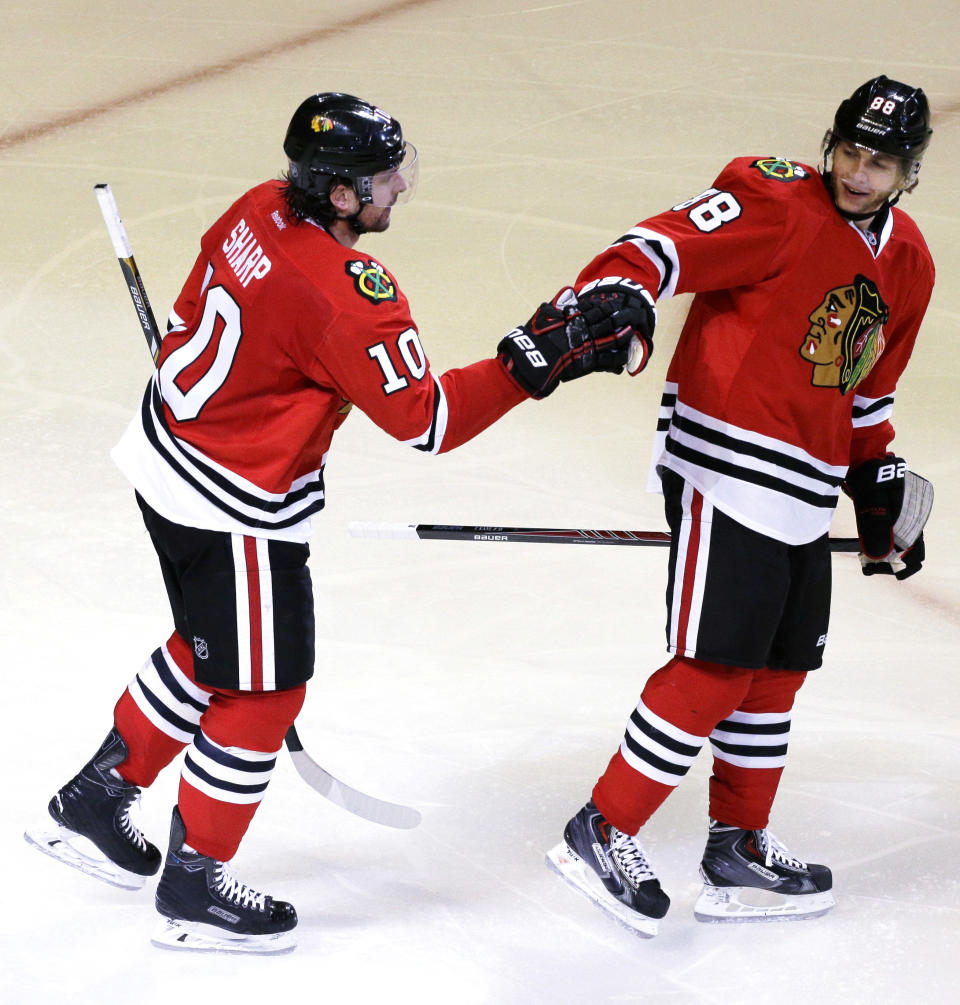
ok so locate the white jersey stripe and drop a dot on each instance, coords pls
(689, 581)
(244, 667)
(267, 656)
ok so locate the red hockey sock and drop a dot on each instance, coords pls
(159, 712)
(680, 705)
(750, 749)
(229, 765)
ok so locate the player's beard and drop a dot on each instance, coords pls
(374, 219)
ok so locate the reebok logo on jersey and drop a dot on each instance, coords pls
(372, 281)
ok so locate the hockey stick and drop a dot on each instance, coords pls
(124, 253)
(379, 811)
(535, 535)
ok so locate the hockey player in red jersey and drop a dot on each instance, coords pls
(810, 288)
(281, 328)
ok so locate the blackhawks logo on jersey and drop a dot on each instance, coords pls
(845, 339)
(372, 281)
(780, 169)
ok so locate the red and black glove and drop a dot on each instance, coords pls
(891, 505)
(574, 335)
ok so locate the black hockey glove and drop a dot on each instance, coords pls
(891, 505)
(609, 325)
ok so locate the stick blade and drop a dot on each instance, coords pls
(378, 811)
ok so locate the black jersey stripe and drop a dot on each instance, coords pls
(258, 521)
(268, 505)
(749, 449)
(432, 432)
(745, 474)
(860, 411)
(657, 248)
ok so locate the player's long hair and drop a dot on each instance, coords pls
(302, 206)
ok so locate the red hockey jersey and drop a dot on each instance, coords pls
(787, 365)
(277, 332)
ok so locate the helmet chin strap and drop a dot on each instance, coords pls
(355, 225)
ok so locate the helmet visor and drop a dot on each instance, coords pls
(396, 186)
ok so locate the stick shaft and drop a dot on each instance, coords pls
(128, 265)
(537, 535)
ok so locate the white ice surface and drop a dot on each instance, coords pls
(487, 685)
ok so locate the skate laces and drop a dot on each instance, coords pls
(128, 828)
(230, 888)
(774, 851)
(630, 858)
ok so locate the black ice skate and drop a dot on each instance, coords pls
(750, 876)
(92, 829)
(206, 908)
(611, 869)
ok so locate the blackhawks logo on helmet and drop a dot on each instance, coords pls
(372, 281)
(845, 338)
(780, 169)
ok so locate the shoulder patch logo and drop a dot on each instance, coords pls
(372, 281)
(780, 169)
(845, 338)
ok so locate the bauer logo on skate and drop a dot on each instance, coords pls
(245, 254)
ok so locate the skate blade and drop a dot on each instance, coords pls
(738, 904)
(75, 850)
(192, 936)
(568, 865)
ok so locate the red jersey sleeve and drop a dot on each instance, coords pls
(727, 236)
(372, 353)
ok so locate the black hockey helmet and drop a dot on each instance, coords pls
(887, 116)
(334, 135)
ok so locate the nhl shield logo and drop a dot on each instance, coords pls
(200, 649)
